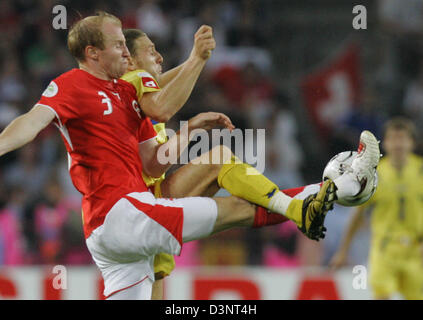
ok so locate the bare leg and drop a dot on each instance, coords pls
(157, 291)
(194, 180)
(191, 180)
(233, 212)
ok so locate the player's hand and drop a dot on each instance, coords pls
(204, 43)
(338, 260)
(210, 120)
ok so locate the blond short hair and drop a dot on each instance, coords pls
(87, 32)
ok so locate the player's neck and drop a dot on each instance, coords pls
(98, 73)
(399, 164)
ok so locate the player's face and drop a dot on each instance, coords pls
(114, 58)
(398, 144)
(146, 57)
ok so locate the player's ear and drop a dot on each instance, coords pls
(91, 52)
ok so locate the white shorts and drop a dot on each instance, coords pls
(138, 227)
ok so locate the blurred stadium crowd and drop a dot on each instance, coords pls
(265, 49)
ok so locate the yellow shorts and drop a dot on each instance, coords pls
(390, 274)
(164, 263)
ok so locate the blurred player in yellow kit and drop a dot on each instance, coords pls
(396, 254)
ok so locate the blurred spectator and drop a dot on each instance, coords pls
(208, 14)
(413, 104)
(245, 88)
(8, 112)
(11, 85)
(12, 242)
(9, 21)
(27, 172)
(74, 250)
(368, 115)
(152, 20)
(403, 23)
(283, 151)
(280, 248)
(226, 249)
(53, 215)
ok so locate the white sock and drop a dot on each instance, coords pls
(279, 203)
(347, 185)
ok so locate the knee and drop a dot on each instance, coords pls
(217, 157)
(220, 154)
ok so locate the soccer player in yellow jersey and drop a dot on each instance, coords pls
(190, 180)
(396, 255)
(141, 52)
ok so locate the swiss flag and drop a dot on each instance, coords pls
(149, 83)
(331, 91)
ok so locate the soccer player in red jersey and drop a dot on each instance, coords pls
(107, 138)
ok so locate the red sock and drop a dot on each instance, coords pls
(264, 217)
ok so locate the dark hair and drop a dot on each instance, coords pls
(87, 32)
(130, 36)
(401, 123)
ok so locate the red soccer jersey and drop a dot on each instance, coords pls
(101, 126)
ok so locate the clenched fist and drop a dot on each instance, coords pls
(204, 42)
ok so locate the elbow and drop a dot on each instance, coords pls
(159, 116)
(158, 112)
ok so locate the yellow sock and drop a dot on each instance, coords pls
(244, 181)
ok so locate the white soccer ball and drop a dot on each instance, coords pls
(340, 164)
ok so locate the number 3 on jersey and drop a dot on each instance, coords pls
(107, 101)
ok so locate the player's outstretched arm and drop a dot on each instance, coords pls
(24, 128)
(340, 257)
(155, 156)
(169, 75)
(179, 83)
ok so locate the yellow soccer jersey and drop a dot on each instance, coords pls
(397, 214)
(144, 82)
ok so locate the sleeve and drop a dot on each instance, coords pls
(142, 81)
(146, 130)
(58, 98)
